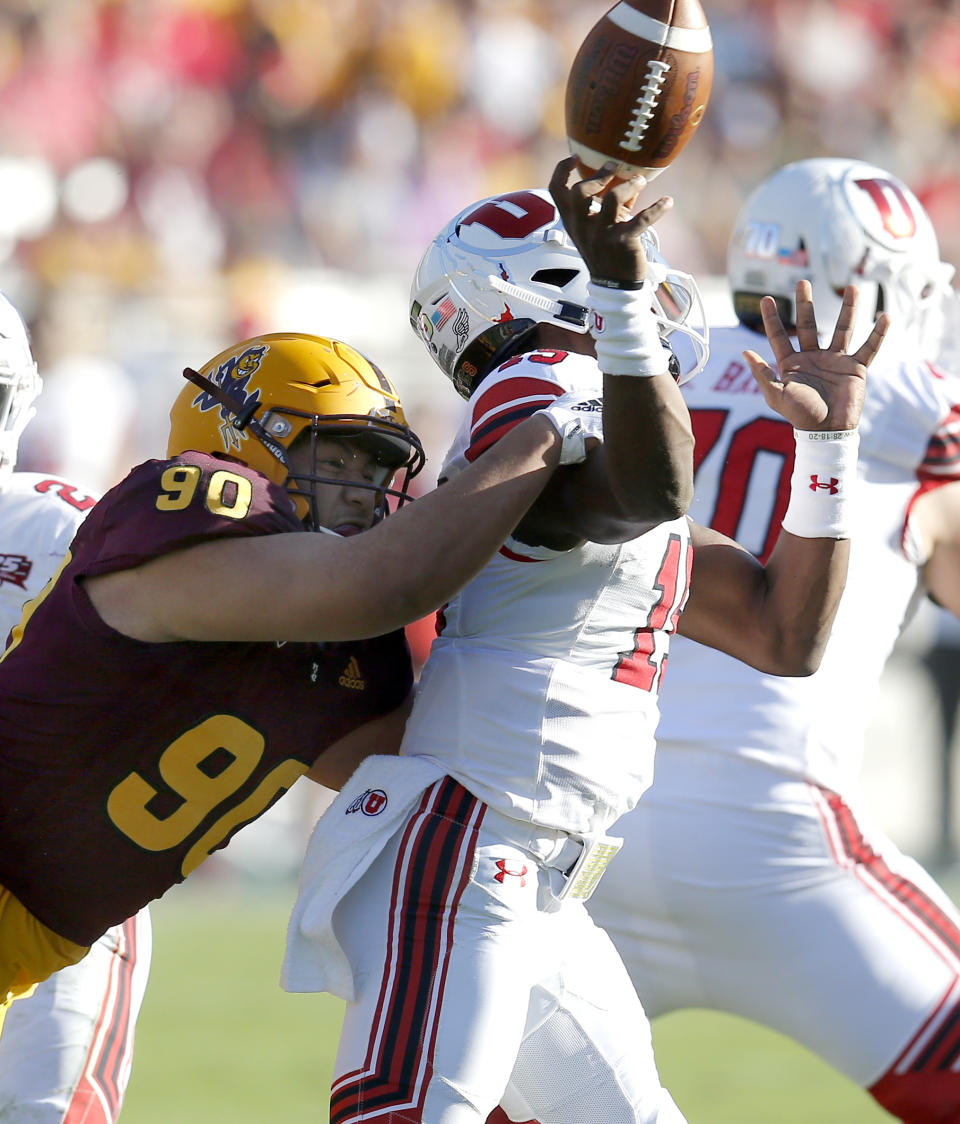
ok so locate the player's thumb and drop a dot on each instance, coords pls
(765, 375)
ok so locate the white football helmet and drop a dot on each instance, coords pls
(838, 222)
(20, 384)
(504, 265)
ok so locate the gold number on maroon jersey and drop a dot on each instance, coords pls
(228, 494)
(180, 483)
(184, 766)
(188, 767)
(278, 780)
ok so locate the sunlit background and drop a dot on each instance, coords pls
(176, 175)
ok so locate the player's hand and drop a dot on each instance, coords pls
(579, 421)
(819, 388)
(598, 214)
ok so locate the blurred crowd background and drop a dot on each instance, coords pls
(176, 175)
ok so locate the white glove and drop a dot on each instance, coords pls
(575, 418)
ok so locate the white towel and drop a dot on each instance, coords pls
(345, 841)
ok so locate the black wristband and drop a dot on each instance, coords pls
(625, 285)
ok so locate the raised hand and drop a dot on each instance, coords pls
(818, 388)
(598, 215)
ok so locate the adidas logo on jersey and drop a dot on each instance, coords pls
(352, 676)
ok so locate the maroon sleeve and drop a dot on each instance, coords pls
(123, 764)
(167, 505)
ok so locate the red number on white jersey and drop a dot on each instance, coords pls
(644, 666)
(547, 358)
(740, 478)
(67, 492)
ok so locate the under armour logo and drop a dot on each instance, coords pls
(826, 485)
(507, 868)
(371, 803)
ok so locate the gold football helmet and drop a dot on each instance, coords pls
(253, 401)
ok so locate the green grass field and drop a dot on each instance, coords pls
(220, 1043)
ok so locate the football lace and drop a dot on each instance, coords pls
(646, 104)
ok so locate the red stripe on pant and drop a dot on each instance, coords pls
(941, 926)
(432, 871)
(923, 1084)
(99, 1093)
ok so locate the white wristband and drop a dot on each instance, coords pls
(820, 489)
(624, 328)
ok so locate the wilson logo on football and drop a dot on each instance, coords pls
(816, 484)
(371, 803)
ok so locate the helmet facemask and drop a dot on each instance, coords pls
(264, 396)
(392, 446)
(681, 316)
(18, 390)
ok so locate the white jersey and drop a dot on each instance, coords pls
(67, 1050)
(558, 654)
(910, 441)
(39, 516)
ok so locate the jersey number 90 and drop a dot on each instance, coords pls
(185, 768)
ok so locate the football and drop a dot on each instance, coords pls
(639, 85)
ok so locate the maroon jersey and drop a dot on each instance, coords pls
(124, 764)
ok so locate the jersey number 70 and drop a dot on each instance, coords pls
(747, 475)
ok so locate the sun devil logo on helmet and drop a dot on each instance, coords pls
(234, 375)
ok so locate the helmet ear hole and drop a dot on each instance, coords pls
(559, 278)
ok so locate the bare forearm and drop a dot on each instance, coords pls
(455, 529)
(804, 580)
(942, 576)
(648, 443)
(321, 587)
(936, 519)
(775, 618)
